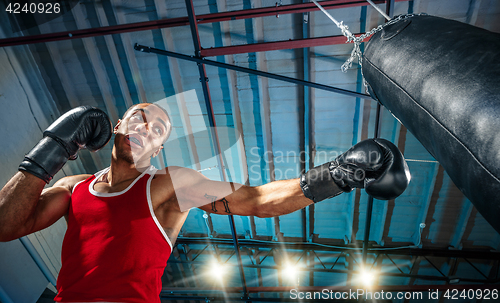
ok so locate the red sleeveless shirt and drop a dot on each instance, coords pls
(114, 250)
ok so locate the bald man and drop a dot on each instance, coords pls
(124, 220)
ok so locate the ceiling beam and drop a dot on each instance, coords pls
(275, 45)
(124, 27)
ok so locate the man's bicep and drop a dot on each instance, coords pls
(194, 190)
(53, 203)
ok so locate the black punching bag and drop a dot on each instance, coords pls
(441, 79)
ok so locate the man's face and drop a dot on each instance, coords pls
(141, 133)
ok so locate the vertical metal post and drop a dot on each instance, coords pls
(306, 152)
(238, 256)
(211, 118)
(389, 10)
(38, 260)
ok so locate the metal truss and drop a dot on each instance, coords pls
(401, 263)
(401, 266)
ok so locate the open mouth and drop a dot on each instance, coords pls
(134, 140)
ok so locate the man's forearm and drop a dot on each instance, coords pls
(18, 200)
(269, 200)
(279, 198)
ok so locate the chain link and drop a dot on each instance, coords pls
(356, 51)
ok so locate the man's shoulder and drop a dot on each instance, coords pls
(70, 181)
(175, 172)
(177, 176)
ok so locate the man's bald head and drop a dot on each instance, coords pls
(145, 106)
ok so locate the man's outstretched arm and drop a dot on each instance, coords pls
(375, 165)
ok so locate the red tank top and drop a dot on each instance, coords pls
(114, 250)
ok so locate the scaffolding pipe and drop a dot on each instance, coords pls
(148, 49)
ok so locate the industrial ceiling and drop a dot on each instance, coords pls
(270, 71)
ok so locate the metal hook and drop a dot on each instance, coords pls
(278, 4)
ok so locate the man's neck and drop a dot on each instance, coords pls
(121, 171)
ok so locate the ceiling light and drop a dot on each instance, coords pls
(290, 271)
(217, 270)
(367, 277)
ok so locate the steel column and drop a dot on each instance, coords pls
(215, 138)
(148, 49)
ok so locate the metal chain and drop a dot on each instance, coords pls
(356, 51)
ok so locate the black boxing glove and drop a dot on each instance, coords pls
(374, 164)
(82, 127)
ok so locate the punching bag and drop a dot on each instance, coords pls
(441, 79)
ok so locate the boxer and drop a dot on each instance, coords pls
(123, 220)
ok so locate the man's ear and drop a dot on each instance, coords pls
(115, 130)
(157, 152)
